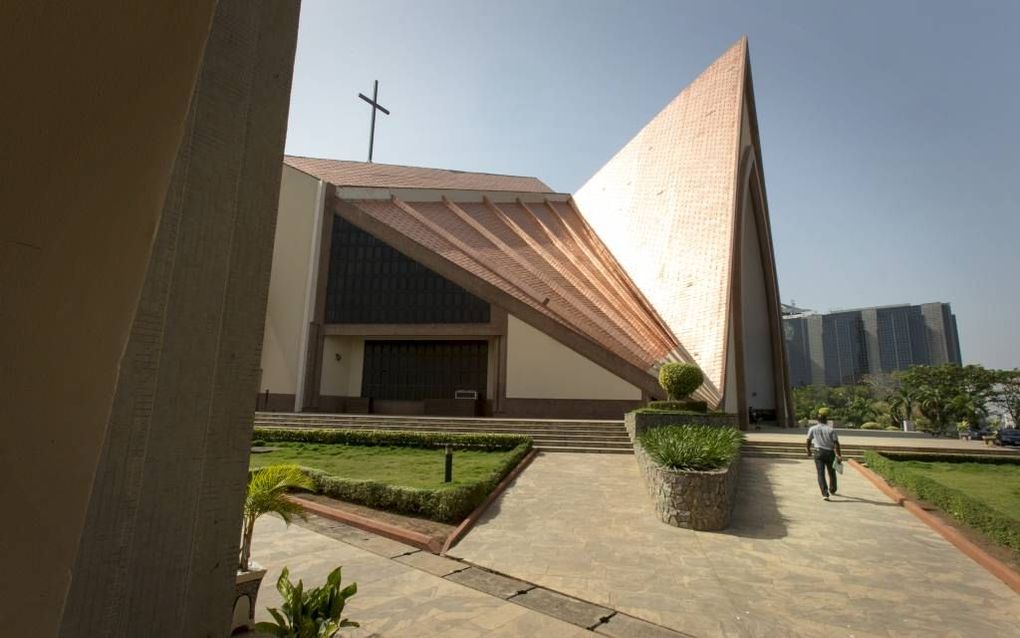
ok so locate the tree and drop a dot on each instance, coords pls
(948, 393)
(1008, 394)
(267, 493)
(679, 380)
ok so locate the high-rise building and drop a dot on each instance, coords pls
(839, 348)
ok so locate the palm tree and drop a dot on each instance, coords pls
(267, 492)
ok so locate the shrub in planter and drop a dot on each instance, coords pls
(692, 447)
(691, 473)
(679, 380)
(267, 489)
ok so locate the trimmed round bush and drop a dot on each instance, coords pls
(679, 380)
(892, 428)
(870, 425)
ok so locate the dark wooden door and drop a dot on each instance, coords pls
(420, 370)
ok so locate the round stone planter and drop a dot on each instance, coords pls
(694, 500)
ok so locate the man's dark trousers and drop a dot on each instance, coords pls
(823, 462)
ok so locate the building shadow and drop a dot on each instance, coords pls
(756, 512)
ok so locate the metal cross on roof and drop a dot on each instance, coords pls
(374, 101)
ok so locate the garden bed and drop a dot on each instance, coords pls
(397, 471)
(982, 492)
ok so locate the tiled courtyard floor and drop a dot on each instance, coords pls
(791, 565)
(398, 594)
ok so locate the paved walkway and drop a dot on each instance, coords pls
(791, 565)
(879, 438)
(401, 591)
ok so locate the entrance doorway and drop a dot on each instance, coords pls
(426, 377)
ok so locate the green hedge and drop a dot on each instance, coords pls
(933, 457)
(448, 505)
(485, 442)
(957, 504)
(700, 407)
(651, 410)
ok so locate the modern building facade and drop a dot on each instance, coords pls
(839, 348)
(408, 290)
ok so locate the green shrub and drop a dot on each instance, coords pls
(449, 505)
(871, 425)
(699, 407)
(892, 428)
(886, 421)
(258, 443)
(679, 380)
(692, 447)
(487, 442)
(957, 504)
(309, 613)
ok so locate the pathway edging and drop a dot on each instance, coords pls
(970, 549)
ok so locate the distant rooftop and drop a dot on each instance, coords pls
(372, 175)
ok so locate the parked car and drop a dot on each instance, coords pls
(977, 435)
(1010, 436)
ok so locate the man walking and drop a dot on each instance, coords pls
(826, 450)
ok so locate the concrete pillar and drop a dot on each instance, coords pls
(142, 213)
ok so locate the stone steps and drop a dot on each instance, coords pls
(596, 437)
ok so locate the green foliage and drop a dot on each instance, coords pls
(700, 407)
(1008, 393)
(313, 613)
(948, 393)
(891, 428)
(959, 504)
(692, 447)
(679, 380)
(450, 505)
(267, 493)
(650, 410)
(397, 438)
(257, 443)
(870, 425)
(885, 422)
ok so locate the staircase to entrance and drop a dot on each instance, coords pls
(549, 435)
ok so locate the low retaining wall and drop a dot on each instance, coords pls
(638, 422)
(694, 500)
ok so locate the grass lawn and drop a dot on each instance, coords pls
(997, 485)
(403, 466)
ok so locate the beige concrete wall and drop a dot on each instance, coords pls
(95, 101)
(539, 367)
(342, 377)
(287, 315)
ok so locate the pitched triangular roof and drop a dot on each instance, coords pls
(535, 257)
(372, 175)
(665, 206)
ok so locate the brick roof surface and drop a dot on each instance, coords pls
(365, 174)
(665, 206)
(544, 255)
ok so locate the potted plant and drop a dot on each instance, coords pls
(267, 490)
(313, 613)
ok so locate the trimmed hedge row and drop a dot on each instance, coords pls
(957, 504)
(952, 458)
(485, 442)
(654, 410)
(449, 505)
(699, 407)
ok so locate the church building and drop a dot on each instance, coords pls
(405, 290)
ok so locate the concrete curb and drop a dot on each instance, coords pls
(473, 517)
(392, 532)
(993, 565)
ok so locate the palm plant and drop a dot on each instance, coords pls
(267, 493)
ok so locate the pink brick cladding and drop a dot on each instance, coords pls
(362, 174)
(665, 206)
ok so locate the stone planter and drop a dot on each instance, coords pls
(246, 593)
(694, 500)
(638, 422)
